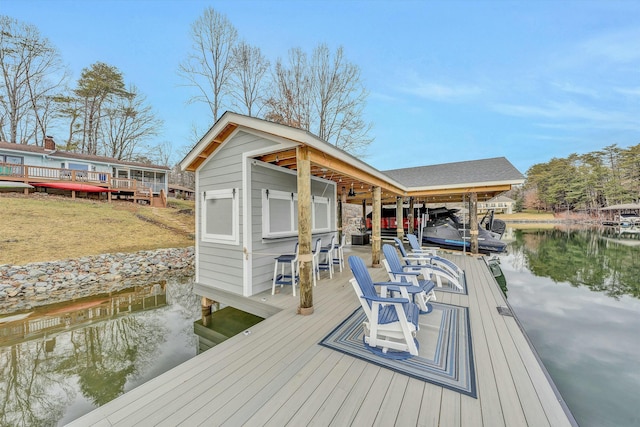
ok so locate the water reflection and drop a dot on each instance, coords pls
(219, 324)
(59, 363)
(600, 260)
(576, 293)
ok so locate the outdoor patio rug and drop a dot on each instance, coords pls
(447, 287)
(445, 355)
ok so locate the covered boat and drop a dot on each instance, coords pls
(444, 229)
(14, 185)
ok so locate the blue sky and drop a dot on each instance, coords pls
(448, 80)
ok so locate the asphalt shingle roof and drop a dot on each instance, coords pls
(69, 155)
(497, 169)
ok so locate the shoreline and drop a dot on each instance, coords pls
(23, 287)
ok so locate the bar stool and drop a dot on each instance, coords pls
(327, 262)
(282, 279)
(338, 253)
(315, 257)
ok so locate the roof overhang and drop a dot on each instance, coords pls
(353, 177)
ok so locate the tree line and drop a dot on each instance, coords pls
(101, 114)
(584, 181)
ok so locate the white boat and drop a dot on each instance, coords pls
(14, 185)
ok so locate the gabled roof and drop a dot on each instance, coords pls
(502, 199)
(438, 183)
(180, 188)
(61, 154)
(485, 171)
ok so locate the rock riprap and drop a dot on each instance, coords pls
(25, 286)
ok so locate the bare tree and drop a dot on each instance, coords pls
(339, 98)
(163, 153)
(290, 102)
(249, 70)
(128, 122)
(209, 66)
(31, 71)
(324, 96)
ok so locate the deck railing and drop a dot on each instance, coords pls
(25, 173)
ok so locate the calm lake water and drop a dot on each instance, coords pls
(577, 292)
(61, 362)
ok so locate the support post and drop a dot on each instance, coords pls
(341, 203)
(411, 215)
(304, 231)
(399, 218)
(473, 222)
(375, 228)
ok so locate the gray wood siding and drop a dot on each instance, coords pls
(221, 265)
(264, 251)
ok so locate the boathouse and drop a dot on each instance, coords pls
(254, 176)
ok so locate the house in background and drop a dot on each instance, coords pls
(42, 165)
(500, 205)
(181, 192)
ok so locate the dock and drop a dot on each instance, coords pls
(276, 373)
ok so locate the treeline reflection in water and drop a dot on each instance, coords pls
(604, 260)
(57, 363)
(576, 292)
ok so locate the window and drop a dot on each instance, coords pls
(78, 166)
(220, 212)
(9, 168)
(15, 160)
(280, 214)
(321, 214)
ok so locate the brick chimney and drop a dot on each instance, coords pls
(49, 144)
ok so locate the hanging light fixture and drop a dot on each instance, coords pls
(351, 192)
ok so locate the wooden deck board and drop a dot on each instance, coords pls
(511, 406)
(279, 375)
(371, 402)
(430, 406)
(390, 408)
(533, 410)
(489, 399)
(348, 409)
(336, 398)
(307, 410)
(279, 358)
(409, 412)
(298, 391)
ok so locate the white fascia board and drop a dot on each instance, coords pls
(280, 133)
(466, 185)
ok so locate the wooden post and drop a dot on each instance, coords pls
(473, 222)
(341, 202)
(205, 308)
(375, 229)
(304, 231)
(399, 218)
(364, 213)
(108, 175)
(411, 215)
